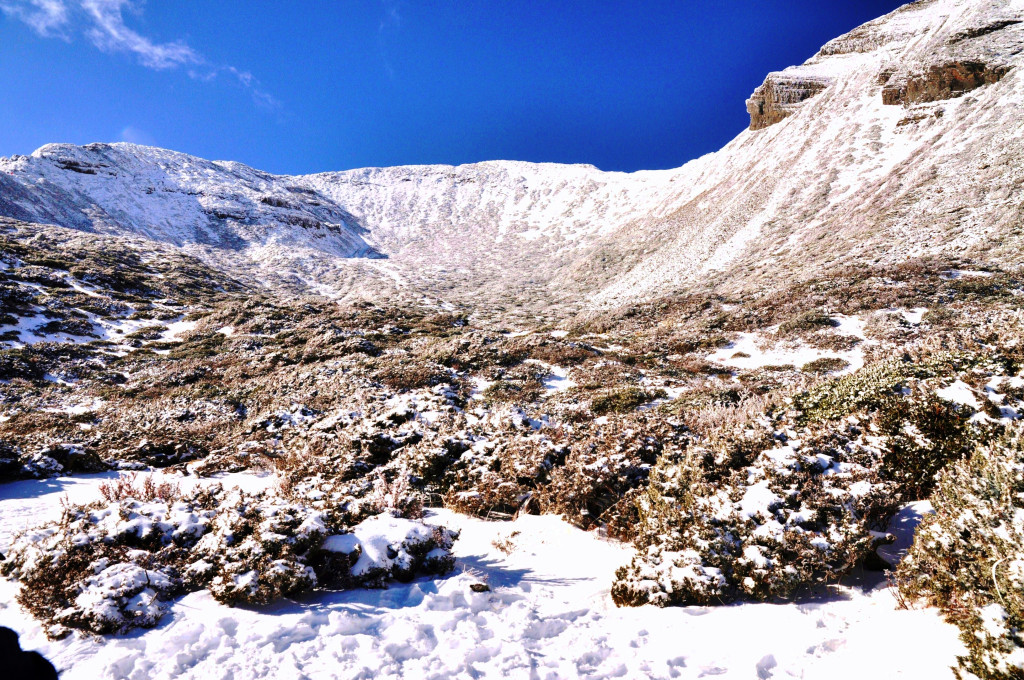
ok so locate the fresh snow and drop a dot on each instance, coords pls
(547, 614)
(557, 380)
(913, 316)
(374, 538)
(176, 329)
(902, 527)
(959, 393)
(749, 351)
(953, 274)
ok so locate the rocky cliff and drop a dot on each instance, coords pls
(780, 96)
(940, 81)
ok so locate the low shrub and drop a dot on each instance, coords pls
(807, 321)
(825, 365)
(403, 377)
(968, 558)
(837, 342)
(624, 400)
(743, 515)
(562, 353)
(921, 434)
(111, 565)
(603, 466)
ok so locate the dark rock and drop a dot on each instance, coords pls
(166, 453)
(979, 31)
(779, 97)
(939, 82)
(22, 665)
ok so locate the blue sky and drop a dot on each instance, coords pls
(304, 86)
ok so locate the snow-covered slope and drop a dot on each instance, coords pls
(227, 212)
(899, 139)
(495, 229)
(895, 156)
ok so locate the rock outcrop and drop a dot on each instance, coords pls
(780, 96)
(940, 81)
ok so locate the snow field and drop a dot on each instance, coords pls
(547, 615)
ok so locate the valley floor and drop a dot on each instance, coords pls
(548, 614)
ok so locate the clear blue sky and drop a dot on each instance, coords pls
(295, 87)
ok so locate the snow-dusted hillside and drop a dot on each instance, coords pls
(502, 228)
(896, 156)
(227, 213)
(899, 139)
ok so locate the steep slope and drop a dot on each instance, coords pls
(500, 230)
(897, 140)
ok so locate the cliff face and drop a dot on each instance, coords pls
(835, 175)
(941, 81)
(954, 62)
(780, 97)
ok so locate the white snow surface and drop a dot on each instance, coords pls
(548, 614)
(374, 537)
(959, 393)
(750, 351)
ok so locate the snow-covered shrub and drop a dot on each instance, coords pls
(825, 365)
(386, 547)
(603, 465)
(520, 384)
(916, 433)
(119, 596)
(808, 321)
(130, 486)
(760, 507)
(750, 514)
(498, 477)
(867, 389)
(109, 566)
(396, 496)
(920, 436)
(47, 461)
(968, 558)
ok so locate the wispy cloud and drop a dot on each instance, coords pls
(46, 17)
(102, 23)
(109, 33)
(136, 136)
(391, 22)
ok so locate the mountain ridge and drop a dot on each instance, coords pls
(896, 140)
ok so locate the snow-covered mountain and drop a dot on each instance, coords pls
(898, 139)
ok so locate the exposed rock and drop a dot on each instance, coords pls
(779, 96)
(940, 82)
(978, 31)
(863, 39)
